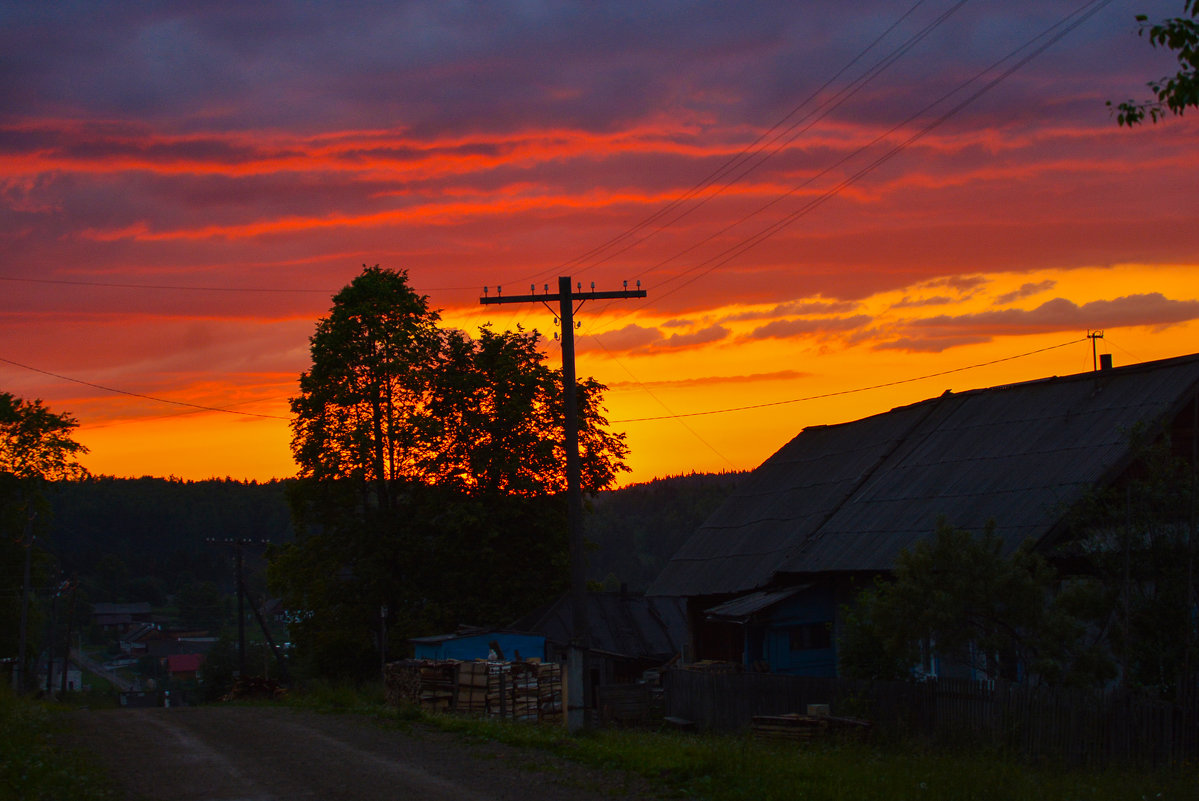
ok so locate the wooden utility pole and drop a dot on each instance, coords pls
(239, 579)
(1093, 336)
(20, 679)
(576, 700)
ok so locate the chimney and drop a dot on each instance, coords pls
(1105, 361)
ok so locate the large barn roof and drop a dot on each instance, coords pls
(850, 497)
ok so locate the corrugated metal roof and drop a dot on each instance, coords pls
(619, 623)
(744, 607)
(850, 497)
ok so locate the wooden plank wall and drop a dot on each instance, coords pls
(1076, 726)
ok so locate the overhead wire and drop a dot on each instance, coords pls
(1054, 32)
(795, 130)
(743, 155)
(719, 259)
(853, 391)
(748, 243)
(154, 398)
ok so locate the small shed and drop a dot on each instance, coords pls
(74, 675)
(628, 633)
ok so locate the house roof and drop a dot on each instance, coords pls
(850, 497)
(618, 623)
(746, 606)
(139, 608)
(184, 663)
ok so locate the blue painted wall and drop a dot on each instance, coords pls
(476, 646)
(796, 636)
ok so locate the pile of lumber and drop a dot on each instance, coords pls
(474, 681)
(253, 687)
(422, 682)
(515, 690)
(804, 728)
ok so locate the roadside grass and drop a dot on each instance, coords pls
(740, 768)
(31, 767)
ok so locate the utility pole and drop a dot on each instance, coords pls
(1093, 336)
(576, 701)
(239, 578)
(19, 678)
(66, 659)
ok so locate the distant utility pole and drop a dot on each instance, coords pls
(1093, 336)
(576, 697)
(20, 679)
(239, 578)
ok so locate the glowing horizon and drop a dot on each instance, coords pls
(225, 153)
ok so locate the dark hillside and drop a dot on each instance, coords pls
(144, 538)
(633, 531)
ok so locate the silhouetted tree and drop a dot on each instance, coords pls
(960, 596)
(1173, 93)
(36, 446)
(430, 469)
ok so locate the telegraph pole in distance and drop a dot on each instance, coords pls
(576, 701)
(1094, 335)
(239, 578)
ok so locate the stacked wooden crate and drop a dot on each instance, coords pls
(438, 683)
(805, 728)
(549, 690)
(515, 690)
(473, 681)
(428, 684)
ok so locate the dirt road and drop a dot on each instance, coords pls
(268, 754)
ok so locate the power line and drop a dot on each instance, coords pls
(140, 395)
(792, 132)
(753, 148)
(733, 251)
(191, 288)
(851, 391)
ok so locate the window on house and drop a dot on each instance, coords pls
(811, 636)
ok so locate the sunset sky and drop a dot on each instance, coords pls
(835, 208)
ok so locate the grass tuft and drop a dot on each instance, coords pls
(738, 768)
(31, 767)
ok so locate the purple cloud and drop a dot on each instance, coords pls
(785, 329)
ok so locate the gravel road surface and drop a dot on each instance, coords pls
(214, 753)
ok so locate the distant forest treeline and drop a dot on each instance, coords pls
(147, 539)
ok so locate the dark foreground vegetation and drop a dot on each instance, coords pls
(739, 768)
(674, 764)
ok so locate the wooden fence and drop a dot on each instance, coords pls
(1079, 727)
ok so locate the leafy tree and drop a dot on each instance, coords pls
(35, 443)
(35, 447)
(959, 595)
(1139, 539)
(430, 470)
(202, 606)
(1172, 93)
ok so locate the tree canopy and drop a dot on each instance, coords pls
(958, 596)
(35, 447)
(1172, 93)
(36, 443)
(431, 473)
(1138, 538)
